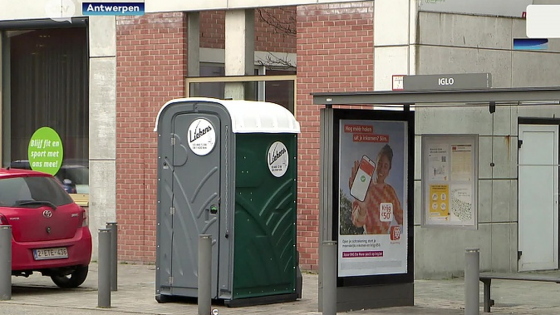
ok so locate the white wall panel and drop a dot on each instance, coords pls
(102, 197)
(532, 68)
(465, 30)
(389, 61)
(391, 22)
(30, 9)
(102, 108)
(102, 36)
(443, 60)
(440, 252)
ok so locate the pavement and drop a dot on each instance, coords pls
(136, 295)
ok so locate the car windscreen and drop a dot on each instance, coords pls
(22, 191)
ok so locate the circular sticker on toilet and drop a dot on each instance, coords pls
(201, 137)
(278, 158)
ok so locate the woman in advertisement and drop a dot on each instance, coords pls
(380, 208)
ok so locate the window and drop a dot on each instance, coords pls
(19, 191)
(277, 86)
(46, 75)
(211, 89)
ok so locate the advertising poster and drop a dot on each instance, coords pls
(449, 180)
(373, 165)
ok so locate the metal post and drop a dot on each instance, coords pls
(5, 262)
(472, 271)
(325, 191)
(204, 274)
(329, 277)
(114, 250)
(104, 273)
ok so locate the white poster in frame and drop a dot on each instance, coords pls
(373, 209)
(450, 181)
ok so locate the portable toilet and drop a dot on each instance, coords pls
(227, 168)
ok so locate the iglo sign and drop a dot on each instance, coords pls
(201, 137)
(434, 82)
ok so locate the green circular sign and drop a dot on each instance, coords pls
(45, 151)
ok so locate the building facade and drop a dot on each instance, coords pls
(123, 69)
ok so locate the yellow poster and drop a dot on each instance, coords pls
(439, 200)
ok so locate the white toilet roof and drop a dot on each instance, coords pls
(249, 116)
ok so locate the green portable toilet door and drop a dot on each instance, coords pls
(196, 192)
(265, 215)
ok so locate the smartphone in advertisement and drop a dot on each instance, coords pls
(362, 179)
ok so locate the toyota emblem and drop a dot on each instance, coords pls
(47, 213)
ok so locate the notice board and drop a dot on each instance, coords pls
(449, 180)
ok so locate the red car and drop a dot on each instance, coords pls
(50, 232)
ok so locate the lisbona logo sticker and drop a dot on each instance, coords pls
(201, 137)
(278, 158)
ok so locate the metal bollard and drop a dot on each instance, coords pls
(104, 272)
(5, 262)
(329, 277)
(204, 274)
(472, 270)
(114, 251)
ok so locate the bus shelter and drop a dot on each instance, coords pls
(375, 250)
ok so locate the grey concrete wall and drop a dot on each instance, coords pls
(102, 124)
(453, 43)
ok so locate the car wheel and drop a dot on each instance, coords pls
(73, 280)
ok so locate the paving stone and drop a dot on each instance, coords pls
(136, 295)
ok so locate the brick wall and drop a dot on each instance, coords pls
(150, 71)
(151, 67)
(212, 29)
(267, 37)
(334, 53)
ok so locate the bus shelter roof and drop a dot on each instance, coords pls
(495, 96)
